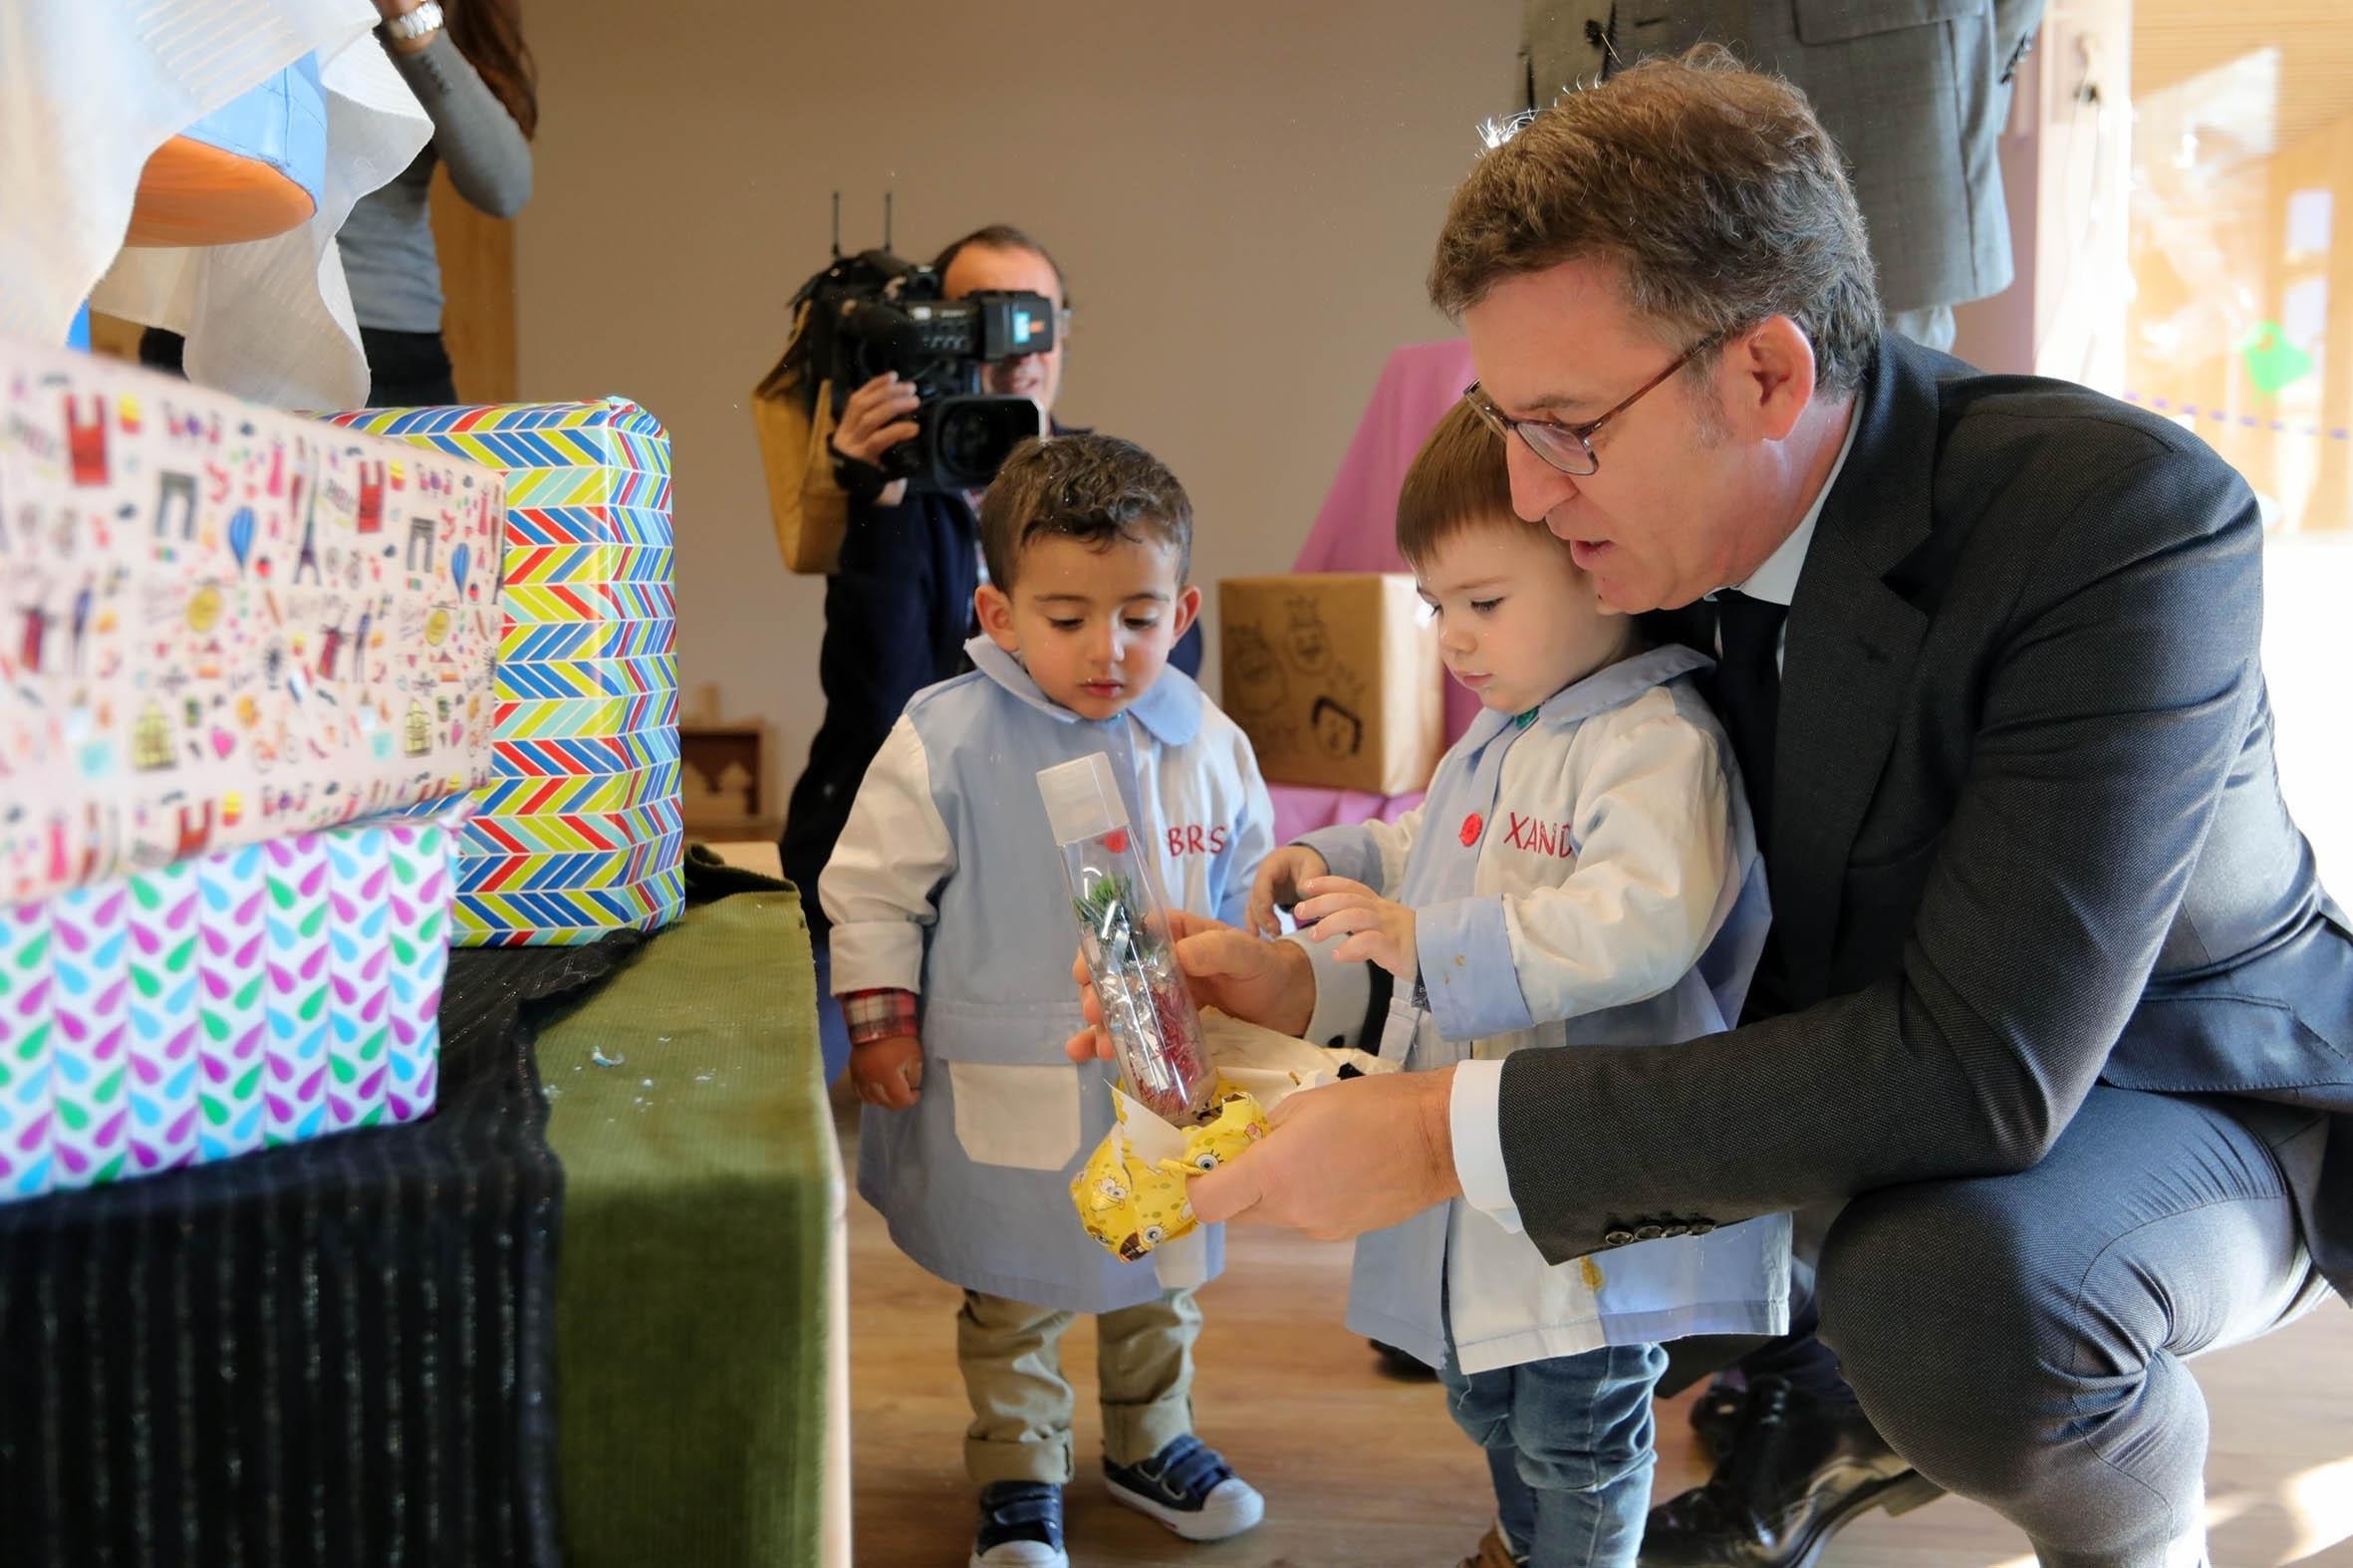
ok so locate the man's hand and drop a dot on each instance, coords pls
(1279, 878)
(888, 1072)
(877, 417)
(1378, 931)
(1271, 983)
(1342, 1159)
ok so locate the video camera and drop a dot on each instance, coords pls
(874, 312)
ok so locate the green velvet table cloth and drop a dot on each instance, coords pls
(686, 1103)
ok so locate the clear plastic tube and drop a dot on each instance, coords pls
(1123, 932)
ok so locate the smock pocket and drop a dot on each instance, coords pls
(1017, 1097)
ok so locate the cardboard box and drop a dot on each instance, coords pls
(221, 623)
(1336, 678)
(579, 833)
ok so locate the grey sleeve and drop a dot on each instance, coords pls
(2016, 23)
(489, 161)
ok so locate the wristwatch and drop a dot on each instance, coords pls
(410, 26)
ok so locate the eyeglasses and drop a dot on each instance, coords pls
(1569, 448)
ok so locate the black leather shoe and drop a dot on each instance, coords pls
(1716, 1415)
(1798, 1471)
(1402, 1365)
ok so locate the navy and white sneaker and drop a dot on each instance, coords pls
(1189, 1488)
(1020, 1526)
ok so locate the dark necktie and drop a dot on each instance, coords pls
(1748, 692)
(1748, 700)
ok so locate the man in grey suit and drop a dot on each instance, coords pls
(2056, 1005)
(1914, 92)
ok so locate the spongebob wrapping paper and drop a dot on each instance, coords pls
(1131, 1193)
(222, 625)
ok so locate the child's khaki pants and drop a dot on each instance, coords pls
(1011, 1354)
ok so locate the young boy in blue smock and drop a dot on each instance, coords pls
(1582, 871)
(951, 944)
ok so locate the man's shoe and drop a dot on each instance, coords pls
(1020, 1526)
(1402, 1365)
(1493, 1552)
(1189, 1488)
(1798, 1470)
(1716, 1414)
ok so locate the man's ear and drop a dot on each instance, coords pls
(1771, 380)
(995, 610)
(1188, 610)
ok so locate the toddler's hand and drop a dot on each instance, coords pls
(1378, 931)
(1279, 878)
(888, 1072)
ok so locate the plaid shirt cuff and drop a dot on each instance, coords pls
(879, 1014)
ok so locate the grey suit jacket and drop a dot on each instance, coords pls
(1914, 92)
(2026, 836)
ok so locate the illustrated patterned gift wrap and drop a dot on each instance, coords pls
(260, 996)
(221, 623)
(581, 832)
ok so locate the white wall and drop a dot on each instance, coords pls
(1243, 196)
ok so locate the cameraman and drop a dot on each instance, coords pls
(898, 608)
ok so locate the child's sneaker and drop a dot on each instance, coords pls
(1494, 1551)
(1020, 1526)
(1189, 1488)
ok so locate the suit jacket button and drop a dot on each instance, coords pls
(1677, 1230)
(1700, 1227)
(1616, 1238)
(1648, 1232)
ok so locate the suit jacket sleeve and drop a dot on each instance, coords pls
(2114, 706)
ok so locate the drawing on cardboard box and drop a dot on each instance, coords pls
(1339, 730)
(1253, 675)
(1309, 642)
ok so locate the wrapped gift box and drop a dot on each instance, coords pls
(220, 623)
(197, 1011)
(581, 832)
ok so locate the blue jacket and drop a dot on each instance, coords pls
(947, 882)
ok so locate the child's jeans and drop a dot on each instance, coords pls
(1569, 1441)
(1011, 1355)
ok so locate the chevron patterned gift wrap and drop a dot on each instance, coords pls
(579, 833)
(222, 623)
(232, 1009)
(165, 976)
(200, 1011)
(27, 1110)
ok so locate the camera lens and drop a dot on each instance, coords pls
(968, 447)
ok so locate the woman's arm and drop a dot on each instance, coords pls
(489, 161)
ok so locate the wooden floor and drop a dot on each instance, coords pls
(1358, 1468)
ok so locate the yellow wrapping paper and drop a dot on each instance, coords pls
(1131, 1193)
